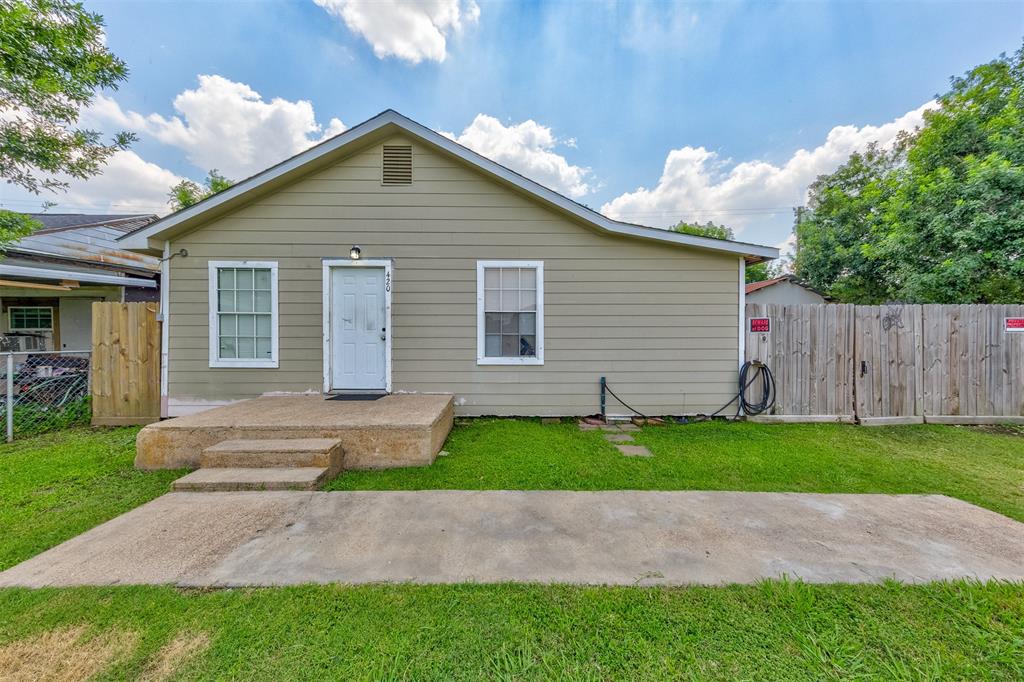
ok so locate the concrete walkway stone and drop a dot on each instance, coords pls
(614, 537)
(618, 438)
(634, 451)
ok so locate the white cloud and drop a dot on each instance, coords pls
(787, 247)
(227, 125)
(127, 184)
(527, 148)
(696, 184)
(221, 124)
(412, 30)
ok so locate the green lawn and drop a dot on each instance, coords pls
(56, 486)
(768, 631)
(985, 467)
(53, 487)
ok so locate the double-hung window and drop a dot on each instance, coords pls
(30, 318)
(243, 314)
(510, 313)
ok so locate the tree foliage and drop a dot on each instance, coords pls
(53, 61)
(755, 273)
(188, 192)
(708, 229)
(937, 217)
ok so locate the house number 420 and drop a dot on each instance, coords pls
(387, 281)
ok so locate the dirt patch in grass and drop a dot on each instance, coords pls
(998, 429)
(63, 655)
(173, 655)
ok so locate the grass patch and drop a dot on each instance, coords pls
(56, 486)
(32, 419)
(982, 466)
(775, 630)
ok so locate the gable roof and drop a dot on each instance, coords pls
(122, 222)
(149, 237)
(792, 279)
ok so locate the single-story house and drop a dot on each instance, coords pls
(49, 280)
(787, 289)
(392, 259)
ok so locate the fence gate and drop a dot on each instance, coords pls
(810, 351)
(887, 371)
(126, 364)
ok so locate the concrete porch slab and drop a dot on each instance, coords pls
(396, 430)
(617, 537)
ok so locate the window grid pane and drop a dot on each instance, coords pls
(31, 318)
(510, 304)
(245, 316)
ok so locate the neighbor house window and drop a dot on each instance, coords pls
(34, 318)
(243, 314)
(510, 312)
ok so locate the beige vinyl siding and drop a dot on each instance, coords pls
(660, 321)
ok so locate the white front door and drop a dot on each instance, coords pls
(358, 328)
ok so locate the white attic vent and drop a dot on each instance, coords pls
(396, 168)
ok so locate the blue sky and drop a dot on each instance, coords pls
(704, 105)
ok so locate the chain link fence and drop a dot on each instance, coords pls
(44, 391)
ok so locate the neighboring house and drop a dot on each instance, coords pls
(49, 280)
(392, 259)
(785, 289)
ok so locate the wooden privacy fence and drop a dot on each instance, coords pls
(126, 363)
(892, 363)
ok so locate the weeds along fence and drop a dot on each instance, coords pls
(44, 391)
(892, 363)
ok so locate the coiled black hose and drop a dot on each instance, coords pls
(744, 406)
(767, 400)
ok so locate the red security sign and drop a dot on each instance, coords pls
(1014, 324)
(763, 325)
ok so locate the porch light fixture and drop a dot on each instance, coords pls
(354, 253)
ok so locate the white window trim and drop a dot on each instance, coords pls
(215, 359)
(481, 358)
(31, 329)
(328, 265)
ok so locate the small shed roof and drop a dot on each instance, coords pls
(792, 279)
(86, 241)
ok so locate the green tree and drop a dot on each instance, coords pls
(843, 222)
(53, 61)
(760, 271)
(708, 229)
(188, 192)
(755, 273)
(939, 216)
(957, 218)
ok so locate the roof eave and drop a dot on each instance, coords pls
(149, 239)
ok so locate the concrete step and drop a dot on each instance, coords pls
(273, 453)
(250, 478)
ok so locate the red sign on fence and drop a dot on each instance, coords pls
(763, 325)
(1014, 324)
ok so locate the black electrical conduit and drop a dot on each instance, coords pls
(743, 406)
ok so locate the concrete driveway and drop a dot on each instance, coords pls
(622, 537)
